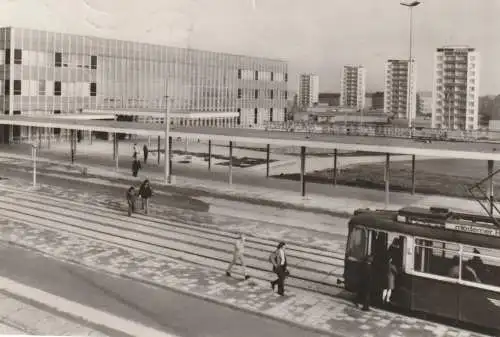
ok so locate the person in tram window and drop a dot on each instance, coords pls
(455, 269)
(477, 263)
(468, 273)
(365, 285)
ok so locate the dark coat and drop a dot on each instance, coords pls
(136, 165)
(145, 191)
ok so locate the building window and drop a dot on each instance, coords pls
(57, 131)
(17, 87)
(286, 77)
(238, 121)
(239, 74)
(57, 88)
(286, 94)
(255, 115)
(285, 113)
(256, 93)
(239, 92)
(271, 94)
(271, 114)
(58, 60)
(7, 56)
(93, 62)
(41, 88)
(18, 56)
(256, 75)
(6, 88)
(93, 89)
(17, 112)
(272, 76)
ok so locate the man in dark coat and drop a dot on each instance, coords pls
(136, 166)
(365, 284)
(131, 196)
(145, 192)
(146, 152)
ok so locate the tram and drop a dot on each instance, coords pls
(447, 264)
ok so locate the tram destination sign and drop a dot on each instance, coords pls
(480, 228)
(469, 228)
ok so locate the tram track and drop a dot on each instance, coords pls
(208, 247)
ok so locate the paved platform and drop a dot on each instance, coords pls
(338, 200)
(303, 308)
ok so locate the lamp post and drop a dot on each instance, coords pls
(410, 6)
(167, 144)
(33, 156)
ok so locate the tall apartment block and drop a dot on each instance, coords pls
(400, 92)
(308, 90)
(456, 89)
(353, 87)
(45, 73)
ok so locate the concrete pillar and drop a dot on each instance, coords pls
(491, 190)
(158, 148)
(413, 174)
(303, 170)
(387, 178)
(268, 154)
(170, 157)
(335, 167)
(209, 155)
(230, 162)
(117, 151)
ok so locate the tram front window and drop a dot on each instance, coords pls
(356, 247)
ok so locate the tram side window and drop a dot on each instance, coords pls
(357, 243)
(483, 264)
(436, 257)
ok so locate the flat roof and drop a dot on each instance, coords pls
(454, 150)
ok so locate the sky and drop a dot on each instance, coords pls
(314, 36)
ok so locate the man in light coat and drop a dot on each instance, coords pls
(238, 256)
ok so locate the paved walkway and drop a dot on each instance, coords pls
(20, 317)
(339, 200)
(303, 308)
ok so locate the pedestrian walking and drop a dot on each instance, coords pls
(278, 259)
(365, 284)
(145, 192)
(136, 166)
(238, 256)
(131, 196)
(146, 153)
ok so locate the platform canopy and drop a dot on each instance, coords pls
(438, 149)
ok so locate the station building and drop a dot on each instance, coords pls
(47, 73)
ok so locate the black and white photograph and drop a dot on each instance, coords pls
(250, 168)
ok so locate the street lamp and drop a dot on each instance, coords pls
(34, 148)
(410, 6)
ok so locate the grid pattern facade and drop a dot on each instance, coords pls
(43, 73)
(400, 94)
(308, 90)
(353, 87)
(456, 89)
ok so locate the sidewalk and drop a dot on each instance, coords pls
(336, 200)
(306, 309)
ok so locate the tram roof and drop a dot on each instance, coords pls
(468, 229)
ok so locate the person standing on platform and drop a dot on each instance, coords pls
(134, 155)
(145, 192)
(365, 284)
(238, 252)
(146, 153)
(136, 166)
(278, 259)
(131, 196)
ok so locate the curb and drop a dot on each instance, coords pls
(184, 292)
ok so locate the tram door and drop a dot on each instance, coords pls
(358, 245)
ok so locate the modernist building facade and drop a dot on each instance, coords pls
(353, 87)
(45, 73)
(308, 90)
(400, 94)
(456, 88)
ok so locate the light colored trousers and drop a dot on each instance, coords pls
(238, 257)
